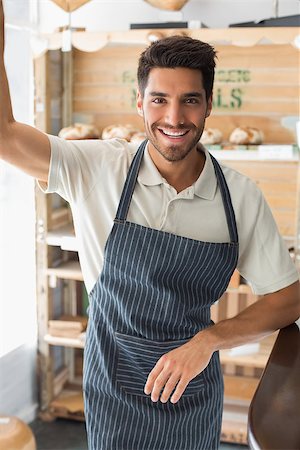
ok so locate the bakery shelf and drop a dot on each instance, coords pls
(240, 388)
(238, 393)
(68, 405)
(257, 153)
(241, 289)
(63, 237)
(234, 422)
(69, 270)
(67, 331)
(256, 359)
(64, 341)
(60, 216)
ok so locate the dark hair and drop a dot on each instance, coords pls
(178, 51)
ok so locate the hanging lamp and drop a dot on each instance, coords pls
(171, 5)
(70, 5)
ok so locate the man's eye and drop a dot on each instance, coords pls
(192, 101)
(158, 100)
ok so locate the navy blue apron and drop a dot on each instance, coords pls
(153, 294)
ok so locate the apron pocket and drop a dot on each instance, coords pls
(137, 357)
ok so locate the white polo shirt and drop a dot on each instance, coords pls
(90, 175)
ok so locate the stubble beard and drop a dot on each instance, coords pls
(173, 153)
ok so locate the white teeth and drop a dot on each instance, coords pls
(174, 133)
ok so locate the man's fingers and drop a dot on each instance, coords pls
(153, 376)
(180, 388)
(169, 387)
(159, 384)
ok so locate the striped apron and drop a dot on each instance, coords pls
(153, 294)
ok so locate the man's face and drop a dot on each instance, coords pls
(174, 109)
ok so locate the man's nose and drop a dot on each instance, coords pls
(175, 116)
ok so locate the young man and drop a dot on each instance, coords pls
(160, 230)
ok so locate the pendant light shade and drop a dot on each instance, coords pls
(70, 5)
(171, 5)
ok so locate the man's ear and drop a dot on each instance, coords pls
(209, 105)
(139, 104)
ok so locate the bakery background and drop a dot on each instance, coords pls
(255, 93)
(257, 87)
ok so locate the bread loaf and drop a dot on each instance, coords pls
(246, 135)
(138, 138)
(79, 131)
(119, 131)
(211, 136)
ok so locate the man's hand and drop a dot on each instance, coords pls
(176, 369)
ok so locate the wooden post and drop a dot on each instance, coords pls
(43, 208)
(67, 82)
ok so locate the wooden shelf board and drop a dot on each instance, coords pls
(63, 237)
(69, 270)
(234, 432)
(60, 217)
(64, 342)
(255, 360)
(68, 405)
(239, 388)
(241, 289)
(234, 422)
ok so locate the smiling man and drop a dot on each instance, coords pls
(160, 230)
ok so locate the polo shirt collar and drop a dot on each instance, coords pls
(148, 173)
(205, 186)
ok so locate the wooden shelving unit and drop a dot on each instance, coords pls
(59, 278)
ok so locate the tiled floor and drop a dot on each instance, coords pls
(70, 435)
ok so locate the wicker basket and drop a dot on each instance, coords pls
(172, 5)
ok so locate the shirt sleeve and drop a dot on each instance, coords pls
(265, 262)
(75, 166)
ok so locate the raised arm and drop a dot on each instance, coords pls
(20, 145)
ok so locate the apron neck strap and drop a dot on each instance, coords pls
(131, 181)
(226, 197)
(130, 184)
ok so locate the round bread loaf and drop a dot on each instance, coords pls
(79, 131)
(246, 135)
(119, 131)
(211, 136)
(138, 138)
